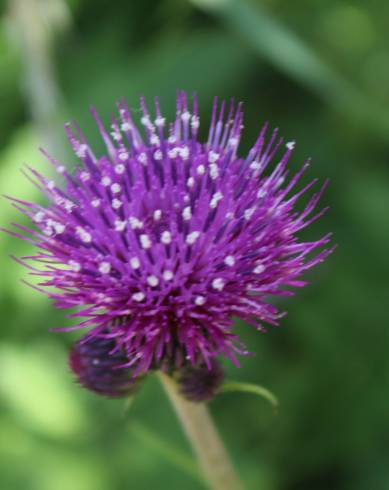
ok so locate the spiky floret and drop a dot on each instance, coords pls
(164, 239)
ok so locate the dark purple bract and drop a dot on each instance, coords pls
(94, 362)
(200, 383)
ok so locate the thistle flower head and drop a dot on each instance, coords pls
(164, 239)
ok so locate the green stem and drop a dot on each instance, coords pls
(204, 438)
(34, 23)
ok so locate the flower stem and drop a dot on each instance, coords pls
(204, 438)
(33, 23)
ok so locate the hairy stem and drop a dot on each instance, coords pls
(204, 438)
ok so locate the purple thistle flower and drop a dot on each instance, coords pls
(163, 240)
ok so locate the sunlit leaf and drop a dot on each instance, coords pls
(35, 388)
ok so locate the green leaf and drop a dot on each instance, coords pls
(254, 389)
(36, 389)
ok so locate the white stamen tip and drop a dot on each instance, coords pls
(218, 284)
(199, 300)
(167, 275)
(138, 296)
(213, 171)
(116, 204)
(154, 140)
(145, 241)
(290, 145)
(215, 199)
(123, 156)
(190, 182)
(157, 215)
(120, 225)
(135, 223)
(59, 228)
(115, 188)
(160, 122)
(85, 176)
(120, 168)
(81, 151)
(213, 156)
(255, 165)
(166, 237)
(95, 203)
(258, 269)
(142, 158)
(158, 155)
(105, 267)
(195, 122)
(126, 126)
(200, 170)
(84, 235)
(39, 217)
(184, 152)
(152, 281)
(229, 260)
(134, 262)
(68, 205)
(280, 181)
(192, 237)
(116, 135)
(106, 181)
(187, 213)
(172, 153)
(248, 213)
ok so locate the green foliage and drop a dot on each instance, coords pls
(317, 70)
(254, 389)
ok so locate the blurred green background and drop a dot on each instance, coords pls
(319, 71)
